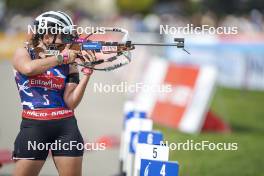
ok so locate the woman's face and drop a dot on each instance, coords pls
(48, 39)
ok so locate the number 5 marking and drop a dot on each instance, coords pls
(155, 154)
(43, 23)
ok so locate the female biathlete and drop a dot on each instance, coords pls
(50, 90)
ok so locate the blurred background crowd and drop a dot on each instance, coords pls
(139, 15)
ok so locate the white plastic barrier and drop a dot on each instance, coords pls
(134, 121)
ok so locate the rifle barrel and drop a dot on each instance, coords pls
(156, 44)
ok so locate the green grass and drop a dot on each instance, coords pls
(244, 111)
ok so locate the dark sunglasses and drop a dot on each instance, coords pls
(68, 38)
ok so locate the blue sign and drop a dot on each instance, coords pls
(133, 141)
(150, 137)
(158, 168)
(139, 114)
(92, 46)
(134, 114)
(145, 137)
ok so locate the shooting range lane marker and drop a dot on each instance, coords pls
(158, 168)
(152, 152)
(143, 137)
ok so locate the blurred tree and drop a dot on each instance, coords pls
(25, 5)
(222, 7)
(256, 4)
(219, 7)
(141, 6)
